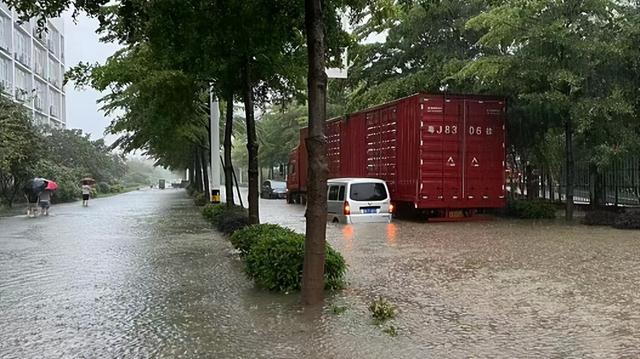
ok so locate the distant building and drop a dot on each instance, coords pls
(32, 66)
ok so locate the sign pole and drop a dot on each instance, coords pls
(215, 147)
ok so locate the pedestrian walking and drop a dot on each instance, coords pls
(32, 203)
(32, 191)
(86, 193)
(45, 201)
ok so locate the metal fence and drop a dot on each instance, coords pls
(618, 185)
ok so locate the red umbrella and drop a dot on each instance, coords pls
(51, 186)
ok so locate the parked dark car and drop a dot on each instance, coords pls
(273, 189)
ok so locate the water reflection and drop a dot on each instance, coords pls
(391, 234)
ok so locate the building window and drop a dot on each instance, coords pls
(22, 48)
(5, 33)
(54, 107)
(40, 61)
(53, 41)
(22, 85)
(40, 96)
(54, 72)
(5, 75)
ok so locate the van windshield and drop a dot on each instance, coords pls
(368, 192)
(278, 185)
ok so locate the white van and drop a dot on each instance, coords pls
(356, 200)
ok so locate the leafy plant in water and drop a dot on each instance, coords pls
(391, 330)
(337, 309)
(381, 310)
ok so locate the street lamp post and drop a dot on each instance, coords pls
(215, 147)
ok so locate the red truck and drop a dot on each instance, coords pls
(440, 154)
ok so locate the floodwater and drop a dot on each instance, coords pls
(142, 275)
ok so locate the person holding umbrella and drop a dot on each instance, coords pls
(32, 191)
(86, 190)
(45, 196)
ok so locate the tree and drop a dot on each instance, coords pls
(556, 55)
(427, 42)
(19, 149)
(316, 214)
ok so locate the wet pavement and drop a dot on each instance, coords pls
(142, 275)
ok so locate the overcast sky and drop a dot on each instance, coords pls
(82, 44)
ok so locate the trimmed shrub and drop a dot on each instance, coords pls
(213, 212)
(103, 187)
(628, 220)
(209, 211)
(276, 263)
(245, 238)
(199, 199)
(232, 220)
(600, 218)
(535, 209)
(117, 187)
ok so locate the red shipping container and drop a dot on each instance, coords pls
(435, 151)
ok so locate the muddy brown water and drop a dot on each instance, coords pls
(142, 275)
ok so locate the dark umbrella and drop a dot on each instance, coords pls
(38, 185)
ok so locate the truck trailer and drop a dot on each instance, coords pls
(440, 154)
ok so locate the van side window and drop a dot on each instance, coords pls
(341, 194)
(333, 193)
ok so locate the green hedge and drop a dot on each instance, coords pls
(533, 209)
(275, 262)
(628, 220)
(600, 218)
(199, 199)
(226, 219)
(245, 238)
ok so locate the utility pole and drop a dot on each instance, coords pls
(215, 147)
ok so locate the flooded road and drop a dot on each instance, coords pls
(142, 275)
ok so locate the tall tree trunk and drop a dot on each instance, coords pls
(552, 194)
(228, 166)
(205, 174)
(198, 177)
(568, 149)
(252, 148)
(192, 173)
(314, 248)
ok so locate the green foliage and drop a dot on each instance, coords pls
(19, 149)
(628, 220)
(275, 263)
(391, 330)
(381, 310)
(337, 309)
(245, 238)
(211, 212)
(103, 187)
(533, 209)
(233, 221)
(199, 199)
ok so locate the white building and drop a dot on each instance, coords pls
(32, 66)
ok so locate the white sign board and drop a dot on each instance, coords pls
(339, 72)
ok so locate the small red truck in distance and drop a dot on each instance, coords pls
(440, 154)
